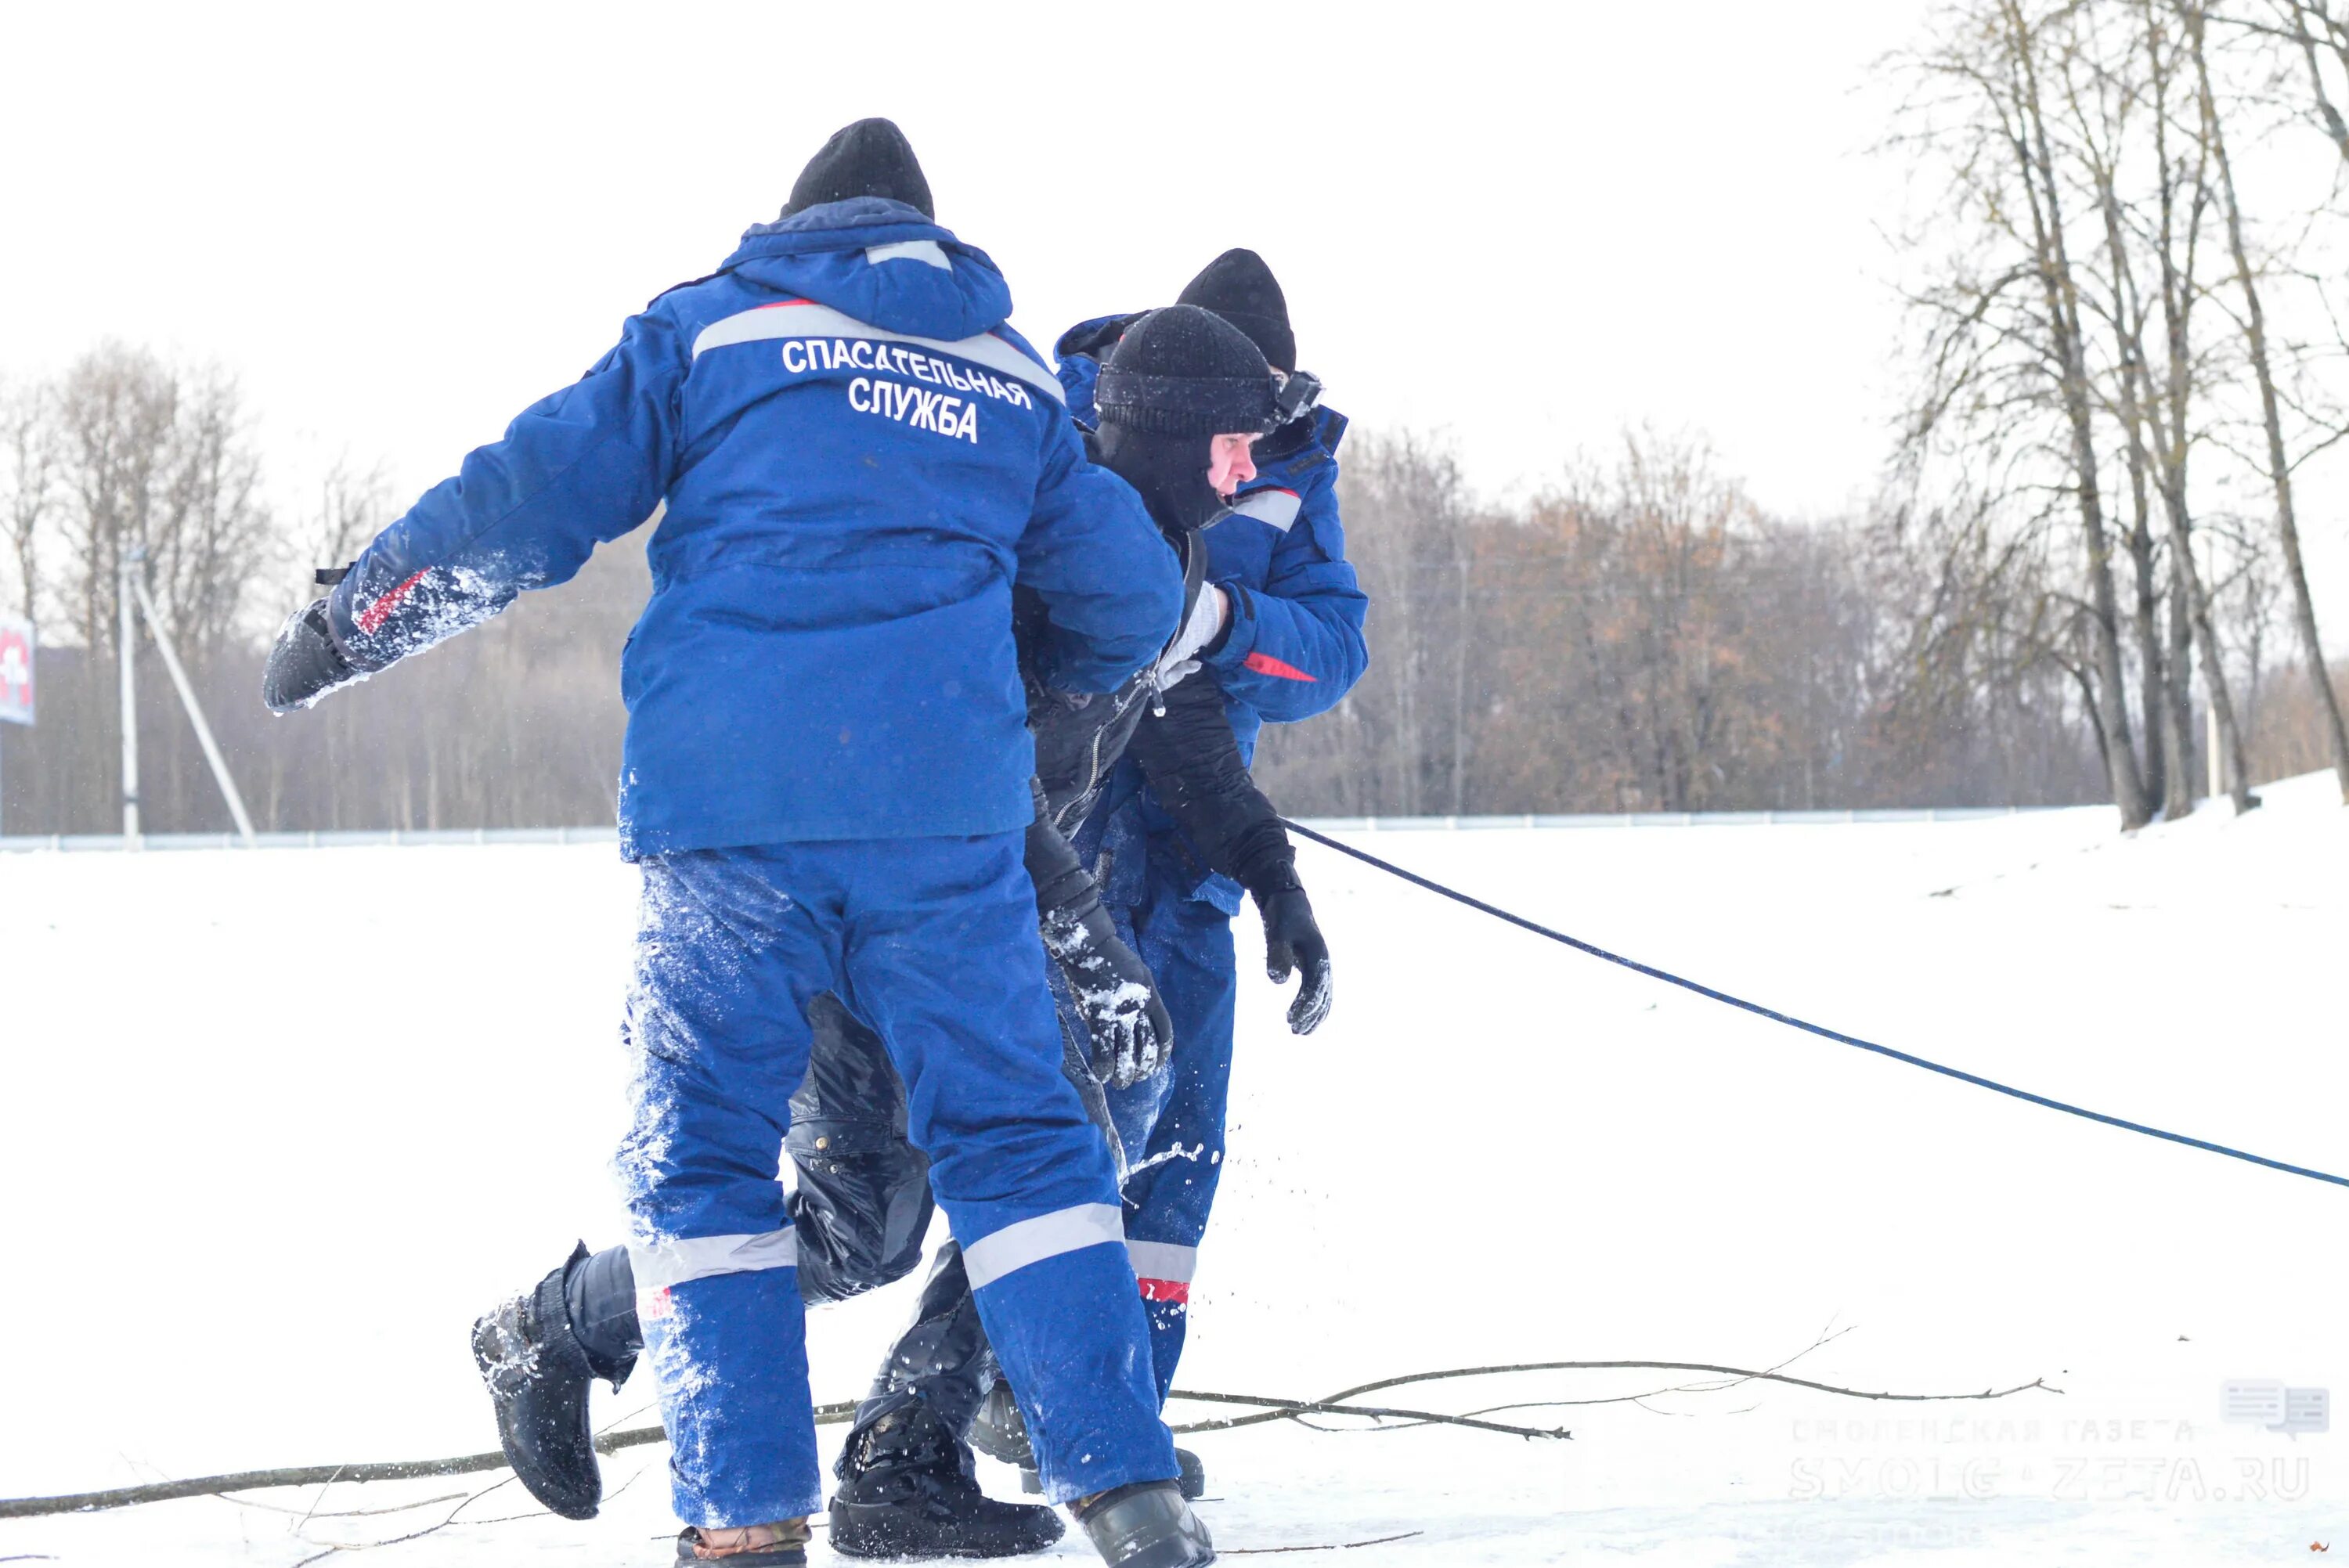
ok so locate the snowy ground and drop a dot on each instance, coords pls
(274, 1127)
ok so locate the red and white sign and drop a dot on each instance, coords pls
(16, 670)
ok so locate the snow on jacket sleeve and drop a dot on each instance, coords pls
(1112, 590)
(1295, 644)
(574, 470)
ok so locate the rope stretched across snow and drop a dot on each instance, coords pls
(1821, 1030)
(1268, 1410)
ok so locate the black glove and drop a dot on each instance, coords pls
(1292, 940)
(1132, 1035)
(306, 665)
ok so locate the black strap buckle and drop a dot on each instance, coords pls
(1294, 395)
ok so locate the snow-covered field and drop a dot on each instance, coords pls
(275, 1127)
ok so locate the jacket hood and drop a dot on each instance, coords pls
(880, 261)
(1096, 337)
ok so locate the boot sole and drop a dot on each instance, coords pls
(877, 1532)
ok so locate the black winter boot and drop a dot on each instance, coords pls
(906, 1491)
(538, 1375)
(1193, 1478)
(1001, 1432)
(1146, 1525)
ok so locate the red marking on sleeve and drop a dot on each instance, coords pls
(782, 305)
(1265, 664)
(376, 613)
(1165, 1290)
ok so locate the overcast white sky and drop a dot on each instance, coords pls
(1528, 226)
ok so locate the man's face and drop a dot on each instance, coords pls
(1230, 463)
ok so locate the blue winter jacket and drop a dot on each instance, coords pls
(851, 458)
(1295, 646)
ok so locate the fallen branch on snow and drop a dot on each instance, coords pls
(1334, 1404)
(320, 1475)
(1287, 1409)
(1268, 1410)
(1328, 1546)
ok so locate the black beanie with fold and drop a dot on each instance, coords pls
(1184, 371)
(1179, 377)
(1238, 286)
(870, 157)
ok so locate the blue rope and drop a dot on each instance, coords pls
(1652, 973)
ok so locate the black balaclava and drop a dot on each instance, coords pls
(1177, 378)
(871, 157)
(1238, 286)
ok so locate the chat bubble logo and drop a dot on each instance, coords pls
(2306, 1410)
(2270, 1403)
(2254, 1401)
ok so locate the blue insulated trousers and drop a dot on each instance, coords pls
(1171, 1125)
(932, 942)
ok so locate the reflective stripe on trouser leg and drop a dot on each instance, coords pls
(951, 973)
(1163, 1269)
(1026, 1242)
(942, 1357)
(726, 961)
(1173, 1124)
(1068, 1329)
(658, 1265)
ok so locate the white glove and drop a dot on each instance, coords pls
(1209, 614)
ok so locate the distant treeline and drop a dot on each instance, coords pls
(1642, 638)
(1646, 638)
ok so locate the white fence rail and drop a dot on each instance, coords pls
(349, 838)
(405, 838)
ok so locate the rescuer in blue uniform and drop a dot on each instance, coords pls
(860, 1205)
(826, 784)
(1290, 646)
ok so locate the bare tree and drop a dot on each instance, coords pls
(2022, 113)
(26, 432)
(2009, 389)
(2312, 26)
(354, 505)
(2102, 95)
(2067, 351)
(115, 408)
(2255, 335)
(1402, 746)
(209, 536)
(1646, 638)
(2182, 202)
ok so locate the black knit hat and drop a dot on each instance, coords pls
(1182, 371)
(871, 157)
(1238, 286)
